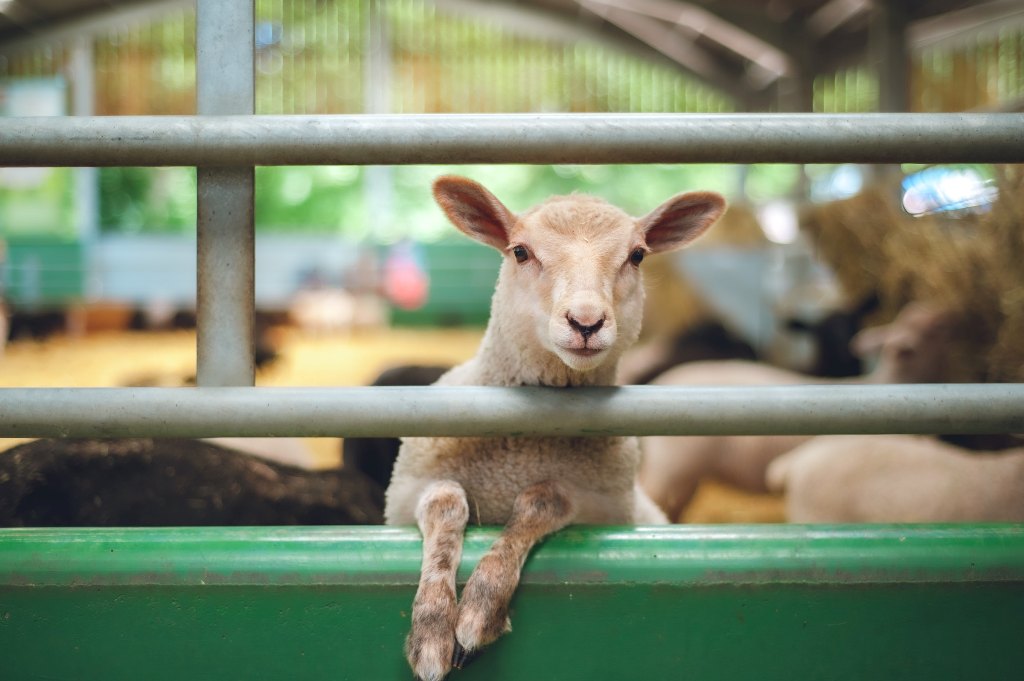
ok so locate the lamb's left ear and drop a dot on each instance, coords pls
(680, 220)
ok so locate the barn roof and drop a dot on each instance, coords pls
(742, 47)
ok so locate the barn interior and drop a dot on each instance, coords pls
(358, 272)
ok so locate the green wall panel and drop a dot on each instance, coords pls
(774, 602)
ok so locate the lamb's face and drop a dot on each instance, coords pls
(571, 275)
(572, 266)
(914, 347)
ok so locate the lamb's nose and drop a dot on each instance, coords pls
(586, 330)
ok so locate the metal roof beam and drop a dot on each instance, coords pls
(669, 42)
(697, 21)
(833, 15)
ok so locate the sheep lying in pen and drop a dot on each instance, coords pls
(568, 301)
(145, 482)
(911, 350)
(898, 478)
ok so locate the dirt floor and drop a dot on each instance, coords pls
(168, 359)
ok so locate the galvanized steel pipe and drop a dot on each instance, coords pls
(491, 411)
(521, 138)
(225, 224)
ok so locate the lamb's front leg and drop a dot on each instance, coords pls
(442, 513)
(483, 610)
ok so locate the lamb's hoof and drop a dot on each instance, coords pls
(461, 657)
(429, 654)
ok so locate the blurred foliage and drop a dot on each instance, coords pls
(36, 201)
(338, 199)
(316, 199)
(147, 200)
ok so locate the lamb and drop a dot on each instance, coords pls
(898, 479)
(911, 350)
(567, 303)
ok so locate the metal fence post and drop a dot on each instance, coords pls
(225, 305)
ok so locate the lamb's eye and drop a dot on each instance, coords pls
(637, 256)
(522, 255)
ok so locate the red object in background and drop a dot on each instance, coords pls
(406, 282)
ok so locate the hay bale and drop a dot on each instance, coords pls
(847, 234)
(738, 227)
(969, 265)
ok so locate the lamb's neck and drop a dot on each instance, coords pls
(510, 356)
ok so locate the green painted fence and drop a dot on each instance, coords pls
(687, 602)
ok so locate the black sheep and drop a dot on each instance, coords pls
(172, 482)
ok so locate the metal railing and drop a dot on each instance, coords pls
(487, 411)
(232, 140)
(226, 142)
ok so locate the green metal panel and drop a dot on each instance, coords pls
(772, 602)
(43, 271)
(462, 275)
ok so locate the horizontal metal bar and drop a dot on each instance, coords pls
(490, 411)
(521, 138)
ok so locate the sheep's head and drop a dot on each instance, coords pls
(913, 348)
(571, 267)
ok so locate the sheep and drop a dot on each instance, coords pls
(911, 350)
(140, 482)
(832, 333)
(898, 479)
(327, 310)
(568, 301)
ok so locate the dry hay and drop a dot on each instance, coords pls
(716, 503)
(972, 266)
(847, 233)
(737, 227)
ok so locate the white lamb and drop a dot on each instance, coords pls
(568, 301)
(898, 479)
(911, 350)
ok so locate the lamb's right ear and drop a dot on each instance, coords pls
(681, 219)
(473, 210)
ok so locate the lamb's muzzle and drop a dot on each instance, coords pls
(586, 330)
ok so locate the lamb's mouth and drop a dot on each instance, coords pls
(585, 352)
